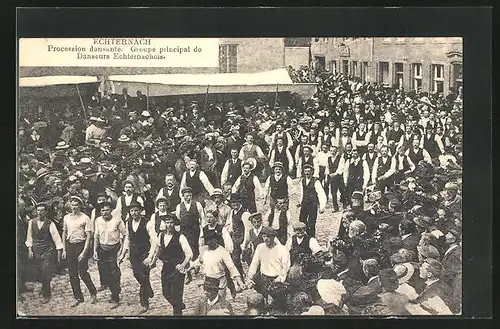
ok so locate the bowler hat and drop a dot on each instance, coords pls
(235, 197)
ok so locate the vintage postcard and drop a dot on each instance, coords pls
(239, 176)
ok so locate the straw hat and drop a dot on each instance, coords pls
(251, 161)
(404, 272)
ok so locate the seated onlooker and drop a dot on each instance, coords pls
(391, 298)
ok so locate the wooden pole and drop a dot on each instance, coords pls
(147, 97)
(81, 101)
(206, 100)
(276, 96)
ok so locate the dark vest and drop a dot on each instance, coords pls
(234, 170)
(395, 135)
(326, 139)
(124, 205)
(374, 137)
(42, 239)
(174, 199)
(406, 164)
(218, 230)
(407, 141)
(416, 157)
(276, 186)
(247, 187)
(255, 240)
(190, 220)
(370, 160)
(355, 173)
(430, 145)
(238, 226)
(194, 182)
(297, 249)
(172, 254)
(309, 161)
(333, 165)
(313, 140)
(139, 240)
(281, 157)
(383, 168)
(309, 194)
(282, 221)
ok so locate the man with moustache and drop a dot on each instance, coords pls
(356, 175)
(280, 153)
(232, 168)
(124, 201)
(370, 156)
(76, 237)
(335, 170)
(248, 186)
(42, 240)
(197, 180)
(277, 183)
(141, 242)
(109, 236)
(312, 197)
(383, 169)
(174, 251)
(170, 192)
(278, 218)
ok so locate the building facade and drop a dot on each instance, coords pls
(429, 64)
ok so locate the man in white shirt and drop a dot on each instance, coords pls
(141, 241)
(248, 186)
(197, 180)
(278, 218)
(280, 153)
(307, 159)
(383, 169)
(274, 261)
(311, 196)
(300, 243)
(191, 216)
(232, 168)
(216, 262)
(238, 225)
(335, 172)
(171, 192)
(277, 183)
(109, 236)
(124, 201)
(174, 251)
(216, 202)
(356, 175)
(42, 240)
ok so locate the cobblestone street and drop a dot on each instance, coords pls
(62, 296)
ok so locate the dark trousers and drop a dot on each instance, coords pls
(172, 284)
(22, 268)
(350, 188)
(111, 273)
(249, 204)
(308, 215)
(230, 283)
(45, 267)
(192, 236)
(141, 274)
(78, 270)
(335, 186)
(236, 256)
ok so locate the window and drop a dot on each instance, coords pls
(437, 78)
(417, 76)
(400, 40)
(383, 76)
(228, 55)
(345, 66)
(364, 71)
(354, 68)
(398, 75)
(457, 78)
(333, 66)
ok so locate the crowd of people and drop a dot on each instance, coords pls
(209, 189)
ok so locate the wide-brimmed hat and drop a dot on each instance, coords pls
(76, 198)
(145, 114)
(127, 181)
(124, 138)
(62, 145)
(308, 147)
(251, 161)
(85, 160)
(216, 191)
(404, 272)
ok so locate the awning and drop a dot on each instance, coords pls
(56, 86)
(187, 84)
(55, 80)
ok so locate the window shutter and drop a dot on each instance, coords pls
(233, 58)
(222, 59)
(377, 72)
(431, 84)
